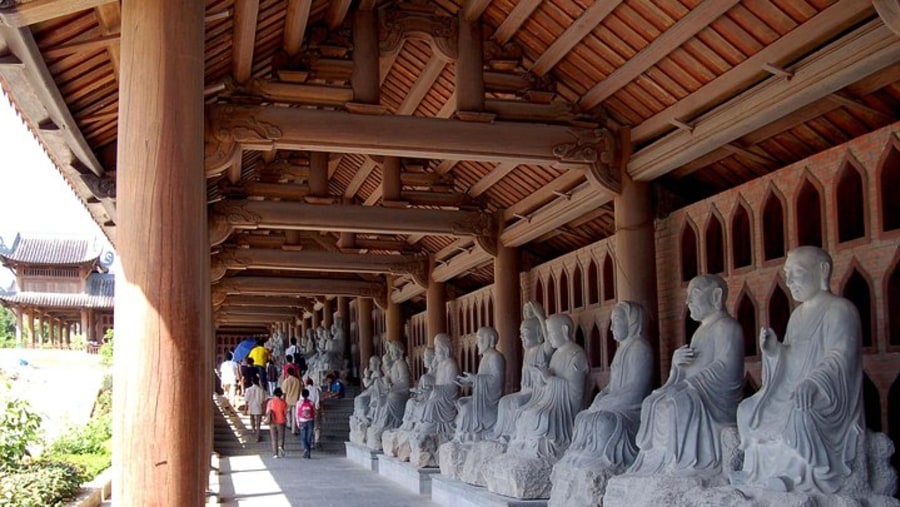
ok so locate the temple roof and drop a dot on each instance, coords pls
(100, 295)
(35, 250)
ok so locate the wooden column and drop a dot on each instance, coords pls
(304, 326)
(436, 301)
(19, 333)
(161, 412)
(31, 316)
(393, 315)
(327, 313)
(318, 174)
(636, 252)
(390, 180)
(365, 78)
(508, 311)
(470, 68)
(343, 309)
(316, 320)
(364, 324)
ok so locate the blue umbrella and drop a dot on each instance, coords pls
(243, 349)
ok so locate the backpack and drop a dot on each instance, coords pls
(307, 412)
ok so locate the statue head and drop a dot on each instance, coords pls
(395, 349)
(374, 363)
(706, 296)
(428, 358)
(486, 338)
(627, 320)
(532, 332)
(807, 271)
(560, 329)
(443, 347)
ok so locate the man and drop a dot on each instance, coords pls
(228, 374)
(802, 431)
(293, 349)
(314, 393)
(260, 356)
(336, 388)
(290, 385)
(306, 415)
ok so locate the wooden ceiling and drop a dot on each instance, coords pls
(714, 93)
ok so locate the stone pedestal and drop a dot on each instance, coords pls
(395, 443)
(417, 480)
(452, 458)
(358, 430)
(580, 484)
(452, 493)
(362, 455)
(373, 437)
(480, 454)
(652, 490)
(519, 475)
(424, 449)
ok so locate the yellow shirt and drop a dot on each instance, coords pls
(260, 356)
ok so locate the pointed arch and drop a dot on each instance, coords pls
(779, 310)
(746, 316)
(889, 183)
(577, 287)
(593, 284)
(611, 346)
(857, 289)
(473, 316)
(689, 257)
(715, 244)
(490, 311)
(773, 233)
(690, 327)
(741, 236)
(579, 336)
(539, 293)
(564, 291)
(596, 347)
(871, 404)
(551, 296)
(809, 214)
(609, 279)
(850, 198)
(892, 310)
(893, 418)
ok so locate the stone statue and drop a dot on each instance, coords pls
(361, 417)
(390, 412)
(477, 414)
(395, 442)
(309, 343)
(338, 340)
(803, 430)
(603, 442)
(681, 422)
(544, 426)
(536, 355)
(439, 412)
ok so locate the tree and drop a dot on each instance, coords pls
(7, 327)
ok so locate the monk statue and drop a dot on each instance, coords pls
(439, 412)
(544, 425)
(390, 413)
(395, 442)
(603, 443)
(802, 430)
(477, 414)
(361, 417)
(536, 355)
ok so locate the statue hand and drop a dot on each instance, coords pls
(466, 378)
(767, 338)
(804, 395)
(683, 356)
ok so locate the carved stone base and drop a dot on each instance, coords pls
(653, 490)
(424, 449)
(373, 437)
(728, 496)
(480, 455)
(580, 483)
(519, 476)
(362, 455)
(417, 480)
(451, 493)
(395, 443)
(452, 458)
(358, 429)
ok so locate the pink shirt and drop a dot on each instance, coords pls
(278, 408)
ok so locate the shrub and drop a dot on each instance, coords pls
(88, 439)
(106, 350)
(21, 426)
(40, 484)
(78, 342)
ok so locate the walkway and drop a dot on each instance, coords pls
(251, 476)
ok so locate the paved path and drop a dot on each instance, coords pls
(250, 476)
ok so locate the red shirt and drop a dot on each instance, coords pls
(278, 407)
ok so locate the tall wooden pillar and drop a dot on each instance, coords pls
(19, 333)
(393, 315)
(31, 334)
(343, 309)
(508, 311)
(316, 320)
(470, 67)
(636, 252)
(390, 181)
(161, 412)
(304, 326)
(327, 313)
(365, 327)
(436, 309)
(365, 78)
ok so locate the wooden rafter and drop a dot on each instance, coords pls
(110, 18)
(322, 261)
(585, 24)
(337, 12)
(258, 285)
(496, 174)
(360, 177)
(514, 20)
(295, 21)
(22, 14)
(472, 9)
(246, 13)
(889, 11)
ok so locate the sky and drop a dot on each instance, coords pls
(34, 197)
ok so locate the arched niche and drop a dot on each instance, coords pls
(746, 316)
(551, 296)
(579, 336)
(892, 295)
(609, 279)
(741, 238)
(889, 188)
(577, 288)
(596, 347)
(871, 404)
(715, 245)
(611, 345)
(564, 292)
(773, 232)
(779, 311)
(689, 260)
(893, 418)
(690, 327)
(593, 284)
(859, 292)
(473, 318)
(809, 215)
(850, 200)
(539, 293)
(490, 312)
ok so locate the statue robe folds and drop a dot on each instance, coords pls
(510, 405)
(478, 413)
(439, 413)
(813, 449)
(605, 432)
(681, 422)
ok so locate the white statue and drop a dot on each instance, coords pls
(309, 343)
(361, 417)
(390, 412)
(802, 431)
(395, 442)
(603, 443)
(439, 412)
(338, 341)
(682, 421)
(536, 355)
(478, 413)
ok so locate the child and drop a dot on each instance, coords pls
(306, 414)
(271, 376)
(276, 416)
(255, 398)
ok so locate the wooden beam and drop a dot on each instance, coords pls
(295, 93)
(276, 312)
(246, 13)
(272, 301)
(260, 285)
(226, 216)
(783, 51)
(423, 84)
(475, 257)
(521, 12)
(109, 17)
(699, 18)
(337, 11)
(851, 103)
(889, 11)
(490, 179)
(561, 211)
(22, 14)
(295, 20)
(362, 174)
(864, 51)
(472, 9)
(585, 24)
(83, 45)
